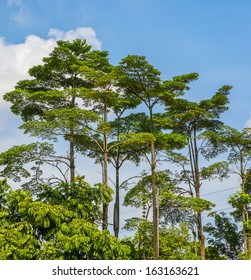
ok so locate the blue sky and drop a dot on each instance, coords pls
(212, 38)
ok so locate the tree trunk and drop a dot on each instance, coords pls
(155, 205)
(116, 215)
(246, 240)
(194, 161)
(201, 237)
(249, 240)
(105, 173)
(105, 204)
(154, 194)
(72, 148)
(195, 242)
(72, 158)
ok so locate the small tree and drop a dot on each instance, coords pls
(224, 237)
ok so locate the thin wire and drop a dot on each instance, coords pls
(136, 210)
(220, 191)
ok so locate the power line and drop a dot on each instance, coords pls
(205, 213)
(220, 191)
(211, 193)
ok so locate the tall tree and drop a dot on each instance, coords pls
(141, 80)
(105, 97)
(238, 146)
(120, 153)
(193, 120)
(50, 103)
(100, 97)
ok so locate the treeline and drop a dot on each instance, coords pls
(113, 115)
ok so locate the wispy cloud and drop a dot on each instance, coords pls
(17, 11)
(14, 2)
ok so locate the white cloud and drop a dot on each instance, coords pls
(81, 32)
(248, 123)
(16, 59)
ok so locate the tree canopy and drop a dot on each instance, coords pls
(119, 116)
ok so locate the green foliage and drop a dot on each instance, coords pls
(79, 197)
(241, 202)
(218, 170)
(238, 143)
(81, 240)
(224, 238)
(32, 229)
(141, 138)
(143, 237)
(176, 208)
(70, 97)
(59, 122)
(25, 162)
(60, 70)
(189, 203)
(175, 243)
(140, 195)
(188, 116)
(138, 77)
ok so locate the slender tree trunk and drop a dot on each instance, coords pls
(195, 242)
(248, 239)
(155, 205)
(194, 161)
(245, 239)
(72, 148)
(246, 234)
(199, 217)
(116, 215)
(72, 158)
(105, 172)
(246, 244)
(154, 194)
(105, 182)
(201, 237)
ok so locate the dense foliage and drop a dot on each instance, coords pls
(117, 115)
